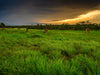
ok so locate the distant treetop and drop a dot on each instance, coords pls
(2, 24)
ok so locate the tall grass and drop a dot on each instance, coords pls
(54, 53)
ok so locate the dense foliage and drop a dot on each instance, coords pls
(60, 27)
(79, 26)
(2, 24)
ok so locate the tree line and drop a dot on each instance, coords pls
(78, 26)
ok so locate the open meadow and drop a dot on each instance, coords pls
(57, 52)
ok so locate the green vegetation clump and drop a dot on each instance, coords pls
(57, 52)
(2, 24)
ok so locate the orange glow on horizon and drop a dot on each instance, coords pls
(83, 17)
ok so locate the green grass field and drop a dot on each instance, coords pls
(58, 52)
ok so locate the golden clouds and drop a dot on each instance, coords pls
(84, 17)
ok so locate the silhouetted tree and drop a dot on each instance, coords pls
(2, 24)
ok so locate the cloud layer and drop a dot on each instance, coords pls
(42, 11)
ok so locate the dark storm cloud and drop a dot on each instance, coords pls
(67, 3)
(4, 4)
(44, 9)
(8, 4)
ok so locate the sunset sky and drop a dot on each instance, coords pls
(19, 12)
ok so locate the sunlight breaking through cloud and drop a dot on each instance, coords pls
(84, 17)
